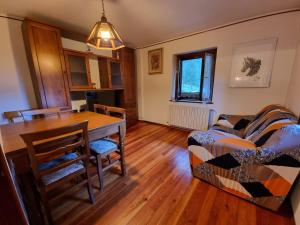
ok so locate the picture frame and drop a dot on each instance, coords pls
(252, 63)
(155, 61)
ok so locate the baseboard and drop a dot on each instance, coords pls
(167, 125)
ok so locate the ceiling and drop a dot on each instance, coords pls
(144, 22)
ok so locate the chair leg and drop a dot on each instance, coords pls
(46, 205)
(100, 171)
(109, 159)
(122, 161)
(90, 188)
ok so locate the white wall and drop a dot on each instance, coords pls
(293, 97)
(293, 102)
(154, 91)
(16, 91)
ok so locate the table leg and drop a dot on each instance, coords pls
(122, 133)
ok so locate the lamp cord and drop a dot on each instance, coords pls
(103, 10)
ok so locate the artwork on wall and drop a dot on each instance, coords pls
(252, 63)
(155, 61)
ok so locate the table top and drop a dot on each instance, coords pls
(11, 140)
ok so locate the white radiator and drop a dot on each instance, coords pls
(189, 116)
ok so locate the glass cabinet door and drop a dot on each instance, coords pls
(78, 70)
(116, 78)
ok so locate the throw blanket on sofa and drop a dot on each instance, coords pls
(254, 157)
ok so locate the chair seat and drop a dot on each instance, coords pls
(103, 146)
(59, 174)
(56, 162)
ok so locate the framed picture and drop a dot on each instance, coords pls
(155, 61)
(252, 63)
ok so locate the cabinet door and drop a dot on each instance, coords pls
(115, 74)
(129, 84)
(47, 64)
(78, 70)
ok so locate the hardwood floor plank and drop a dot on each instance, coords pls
(159, 189)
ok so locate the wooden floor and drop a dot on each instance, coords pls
(159, 189)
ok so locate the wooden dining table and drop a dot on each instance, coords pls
(99, 126)
(14, 148)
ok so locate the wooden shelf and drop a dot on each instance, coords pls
(97, 90)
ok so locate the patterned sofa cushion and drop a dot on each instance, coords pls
(269, 113)
(284, 141)
(270, 126)
(220, 141)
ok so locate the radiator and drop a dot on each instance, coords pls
(189, 116)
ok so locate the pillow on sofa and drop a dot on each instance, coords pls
(284, 140)
(267, 129)
(268, 117)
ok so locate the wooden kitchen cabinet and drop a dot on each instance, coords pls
(127, 59)
(78, 70)
(47, 64)
(110, 72)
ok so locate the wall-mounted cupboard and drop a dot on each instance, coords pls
(78, 70)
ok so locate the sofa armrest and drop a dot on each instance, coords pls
(236, 122)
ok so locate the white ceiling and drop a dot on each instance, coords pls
(144, 22)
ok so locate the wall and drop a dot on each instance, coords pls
(16, 91)
(293, 103)
(154, 91)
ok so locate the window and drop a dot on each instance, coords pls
(195, 76)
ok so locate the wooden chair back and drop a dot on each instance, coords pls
(48, 145)
(40, 113)
(116, 111)
(98, 108)
(83, 108)
(12, 115)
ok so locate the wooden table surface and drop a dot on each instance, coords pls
(10, 133)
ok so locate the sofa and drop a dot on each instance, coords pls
(255, 157)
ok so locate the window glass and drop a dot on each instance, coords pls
(191, 75)
(207, 79)
(195, 76)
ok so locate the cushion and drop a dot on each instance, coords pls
(56, 162)
(59, 174)
(261, 136)
(284, 140)
(267, 118)
(204, 138)
(103, 146)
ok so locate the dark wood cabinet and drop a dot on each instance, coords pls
(127, 59)
(110, 72)
(78, 70)
(47, 64)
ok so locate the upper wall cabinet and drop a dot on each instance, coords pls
(47, 64)
(110, 72)
(78, 70)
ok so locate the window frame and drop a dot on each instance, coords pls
(194, 55)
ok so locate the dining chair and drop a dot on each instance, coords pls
(104, 147)
(83, 108)
(39, 113)
(12, 115)
(98, 108)
(58, 156)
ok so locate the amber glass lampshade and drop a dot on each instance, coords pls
(104, 36)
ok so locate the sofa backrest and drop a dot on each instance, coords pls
(270, 126)
(266, 116)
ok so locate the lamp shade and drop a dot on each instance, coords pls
(104, 36)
